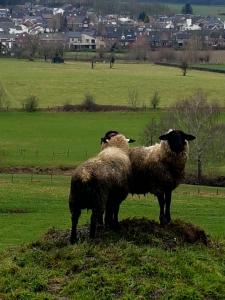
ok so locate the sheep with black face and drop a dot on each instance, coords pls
(101, 182)
(159, 169)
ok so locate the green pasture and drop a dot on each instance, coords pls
(55, 139)
(31, 205)
(219, 67)
(66, 139)
(203, 10)
(56, 84)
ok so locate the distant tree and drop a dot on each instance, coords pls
(187, 9)
(139, 50)
(89, 103)
(155, 100)
(143, 17)
(111, 62)
(31, 103)
(197, 116)
(4, 102)
(184, 67)
(133, 98)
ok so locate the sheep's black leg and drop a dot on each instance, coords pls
(93, 224)
(168, 195)
(161, 199)
(115, 215)
(74, 218)
(108, 215)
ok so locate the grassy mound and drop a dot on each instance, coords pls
(141, 261)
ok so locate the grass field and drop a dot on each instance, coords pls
(54, 139)
(66, 139)
(68, 83)
(29, 207)
(220, 67)
(203, 10)
(146, 266)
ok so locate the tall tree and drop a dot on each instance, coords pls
(187, 9)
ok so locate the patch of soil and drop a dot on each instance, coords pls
(92, 108)
(14, 211)
(67, 170)
(138, 231)
(170, 236)
(217, 181)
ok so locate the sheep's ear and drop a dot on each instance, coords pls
(189, 137)
(163, 137)
(131, 141)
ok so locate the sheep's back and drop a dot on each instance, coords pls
(149, 173)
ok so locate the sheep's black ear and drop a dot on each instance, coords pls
(189, 137)
(163, 137)
(103, 140)
(131, 141)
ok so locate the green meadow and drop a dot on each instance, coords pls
(145, 266)
(31, 205)
(57, 139)
(68, 83)
(203, 10)
(135, 264)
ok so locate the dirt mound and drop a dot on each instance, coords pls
(150, 232)
(138, 231)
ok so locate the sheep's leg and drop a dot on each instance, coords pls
(93, 224)
(161, 200)
(115, 216)
(168, 195)
(74, 218)
(108, 215)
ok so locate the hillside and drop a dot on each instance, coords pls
(142, 261)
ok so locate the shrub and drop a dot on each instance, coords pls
(89, 102)
(155, 100)
(31, 103)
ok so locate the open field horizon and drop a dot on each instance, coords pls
(56, 84)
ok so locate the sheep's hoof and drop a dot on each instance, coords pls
(116, 227)
(163, 220)
(74, 241)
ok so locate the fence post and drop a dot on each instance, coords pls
(12, 178)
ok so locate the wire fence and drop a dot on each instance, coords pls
(33, 178)
(51, 155)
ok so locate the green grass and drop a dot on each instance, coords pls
(145, 267)
(29, 206)
(203, 10)
(66, 139)
(211, 66)
(67, 83)
(43, 139)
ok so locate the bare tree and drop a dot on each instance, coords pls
(155, 100)
(184, 67)
(4, 102)
(133, 98)
(198, 116)
(201, 118)
(140, 49)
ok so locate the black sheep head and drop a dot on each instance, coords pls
(110, 134)
(177, 140)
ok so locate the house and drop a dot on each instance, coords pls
(81, 40)
(6, 42)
